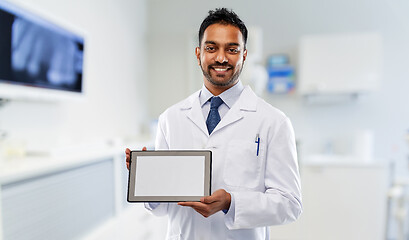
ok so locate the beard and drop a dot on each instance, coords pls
(229, 81)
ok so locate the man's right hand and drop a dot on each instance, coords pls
(128, 156)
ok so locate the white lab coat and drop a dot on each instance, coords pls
(265, 189)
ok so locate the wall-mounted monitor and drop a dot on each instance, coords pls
(39, 58)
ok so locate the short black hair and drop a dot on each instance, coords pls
(223, 16)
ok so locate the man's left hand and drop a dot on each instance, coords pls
(208, 206)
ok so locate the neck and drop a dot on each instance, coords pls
(217, 90)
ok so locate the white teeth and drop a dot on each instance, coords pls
(220, 69)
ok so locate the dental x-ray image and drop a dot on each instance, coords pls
(36, 54)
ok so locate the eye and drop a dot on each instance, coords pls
(233, 50)
(210, 49)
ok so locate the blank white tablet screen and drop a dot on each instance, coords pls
(170, 176)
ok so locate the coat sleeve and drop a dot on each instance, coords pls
(159, 209)
(281, 201)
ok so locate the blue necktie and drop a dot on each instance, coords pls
(213, 118)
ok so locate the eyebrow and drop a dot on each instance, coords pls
(234, 44)
(229, 44)
(209, 42)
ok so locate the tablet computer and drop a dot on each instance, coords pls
(169, 176)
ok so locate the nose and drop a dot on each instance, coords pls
(221, 57)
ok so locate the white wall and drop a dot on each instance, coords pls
(114, 77)
(171, 23)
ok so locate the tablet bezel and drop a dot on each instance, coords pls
(132, 175)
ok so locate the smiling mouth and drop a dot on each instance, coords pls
(221, 69)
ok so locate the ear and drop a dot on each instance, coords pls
(244, 55)
(197, 52)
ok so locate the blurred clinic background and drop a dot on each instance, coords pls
(80, 80)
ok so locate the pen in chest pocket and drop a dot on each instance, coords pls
(258, 142)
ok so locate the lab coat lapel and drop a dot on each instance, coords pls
(246, 102)
(194, 112)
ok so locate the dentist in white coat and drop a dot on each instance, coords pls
(255, 174)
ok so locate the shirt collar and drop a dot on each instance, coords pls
(229, 97)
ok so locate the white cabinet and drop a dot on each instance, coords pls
(341, 201)
(61, 204)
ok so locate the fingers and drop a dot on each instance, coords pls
(128, 156)
(215, 197)
(204, 209)
(209, 205)
(189, 204)
(207, 200)
(203, 212)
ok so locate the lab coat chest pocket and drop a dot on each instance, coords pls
(243, 166)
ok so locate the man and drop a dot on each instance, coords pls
(254, 167)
